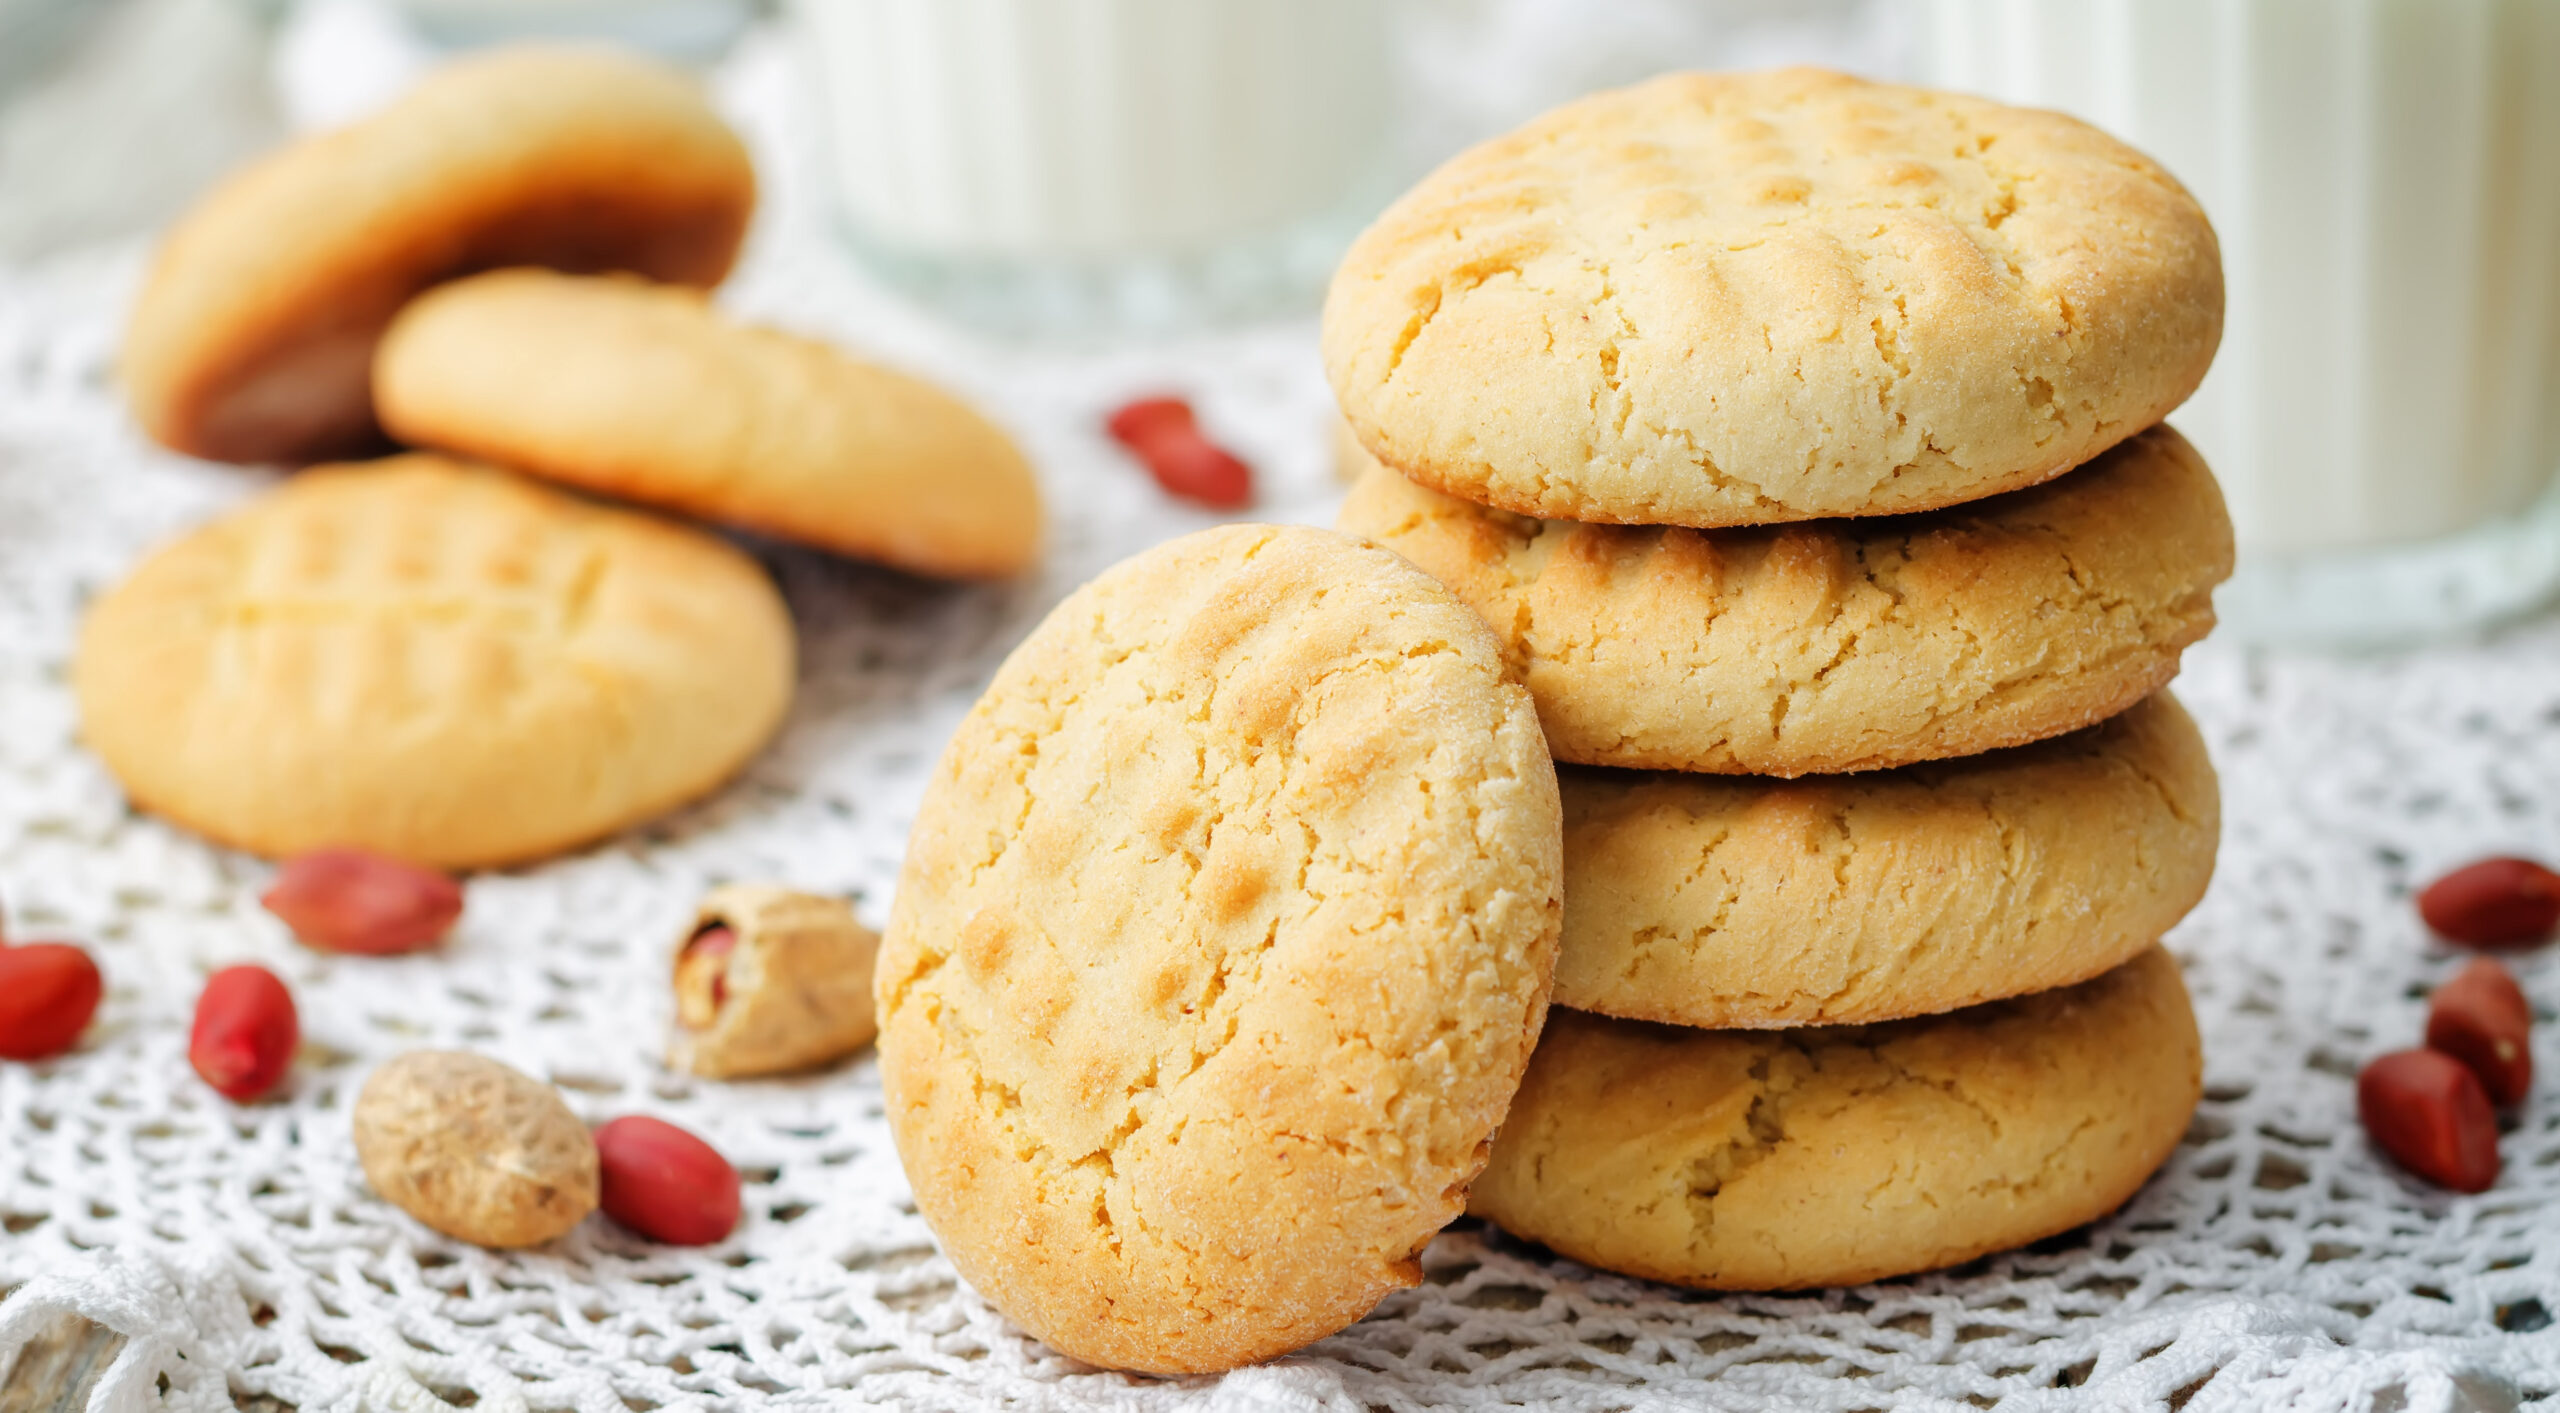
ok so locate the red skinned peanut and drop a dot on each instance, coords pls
(48, 992)
(2481, 1018)
(666, 1184)
(1162, 433)
(2428, 1111)
(348, 900)
(2497, 903)
(245, 1032)
(702, 981)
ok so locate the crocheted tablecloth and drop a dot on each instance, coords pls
(2276, 1261)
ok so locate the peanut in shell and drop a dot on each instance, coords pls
(792, 992)
(474, 1149)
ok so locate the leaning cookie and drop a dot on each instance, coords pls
(434, 661)
(1841, 645)
(253, 338)
(647, 392)
(1224, 934)
(1724, 901)
(1741, 299)
(1776, 1160)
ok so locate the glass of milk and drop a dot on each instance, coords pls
(679, 29)
(1089, 165)
(2385, 178)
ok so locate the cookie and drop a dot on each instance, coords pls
(438, 662)
(1225, 932)
(1843, 645)
(1776, 1160)
(1838, 900)
(1741, 299)
(253, 338)
(646, 392)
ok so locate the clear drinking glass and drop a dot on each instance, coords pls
(677, 29)
(2385, 178)
(1090, 165)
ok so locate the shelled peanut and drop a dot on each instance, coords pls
(245, 1031)
(2435, 1109)
(348, 900)
(48, 992)
(665, 1183)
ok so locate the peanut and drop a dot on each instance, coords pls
(2480, 1018)
(2428, 1111)
(347, 900)
(48, 992)
(2500, 903)
(666, 1184)
(768, 981)
(474, 1149)
(245, 1032)
(702, 976)
(1163, 434)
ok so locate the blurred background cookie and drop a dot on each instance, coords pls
(647, 392)
(1739, 299)
(1224, 934)
(433, 661)
(1713, 901)
(253, 336)
(1844, 644)
(1777, 1160)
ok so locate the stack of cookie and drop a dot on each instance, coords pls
(1798, 438)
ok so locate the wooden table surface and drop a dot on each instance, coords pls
(59, 1366)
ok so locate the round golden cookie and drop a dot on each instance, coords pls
(1224, 935)
(1843, 645)
(253, 338)
(646, 392)
(1722, 902)
(1775, 1160)
(434, 661)
(1740, 299)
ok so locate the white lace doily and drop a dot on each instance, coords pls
(2276, 1262)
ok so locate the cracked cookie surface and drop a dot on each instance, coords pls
(1844, 645)
(1224, 934)
(1839, 900)
(646, 392)
(435, 661)
(1742, 299)
(1777, 1160)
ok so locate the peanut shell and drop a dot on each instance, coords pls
(796, 992)
(476, 1150)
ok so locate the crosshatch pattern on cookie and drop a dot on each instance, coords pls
(1840, 646)
(1720, 901)
(1771, 1160)
(648, 393)
(1241, 879)
(435, 660)
(1743, 299)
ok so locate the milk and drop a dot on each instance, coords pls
(1093, 130)
(2385, 179)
